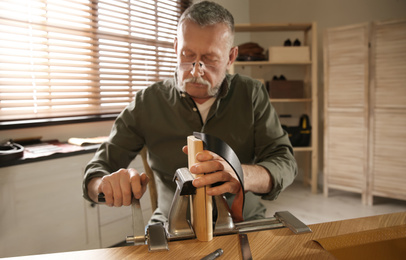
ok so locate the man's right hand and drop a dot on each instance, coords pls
(119, 186)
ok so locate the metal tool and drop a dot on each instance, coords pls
(178, 226)
(138, 237)
(155, 235)
(245, 247)
(292, 222)
(213, 255)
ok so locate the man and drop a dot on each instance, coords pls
(201, 97)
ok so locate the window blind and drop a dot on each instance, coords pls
(82, 57)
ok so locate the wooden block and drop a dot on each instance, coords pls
(202, 207)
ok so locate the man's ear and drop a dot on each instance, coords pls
(175, 45)
(232, 55)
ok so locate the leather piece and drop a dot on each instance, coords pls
(383, 243)
(237, 207)
(221, 148)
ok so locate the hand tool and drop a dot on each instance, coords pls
(213, 255)
(178, 226)
(245, 247)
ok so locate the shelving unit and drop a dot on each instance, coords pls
(308, 104)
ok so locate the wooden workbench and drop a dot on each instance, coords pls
(270, 244)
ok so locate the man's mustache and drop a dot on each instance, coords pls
(198, 80)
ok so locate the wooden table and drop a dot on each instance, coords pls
(270, 244)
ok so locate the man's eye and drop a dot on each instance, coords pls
(187, 55)
(209, 61)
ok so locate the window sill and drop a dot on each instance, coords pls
(27, 123)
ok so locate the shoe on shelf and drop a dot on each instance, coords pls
(287, 43)
(281, 77)
(296, 43)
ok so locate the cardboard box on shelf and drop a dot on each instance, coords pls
(289, 54)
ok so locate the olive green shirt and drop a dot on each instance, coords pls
(161, 117)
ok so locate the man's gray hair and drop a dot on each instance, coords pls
(208, 13)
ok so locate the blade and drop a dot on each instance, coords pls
(245, 247)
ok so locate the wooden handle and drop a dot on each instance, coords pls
(202, 207)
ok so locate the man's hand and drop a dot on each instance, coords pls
(119, 186)
(218, 170)
(256, 178)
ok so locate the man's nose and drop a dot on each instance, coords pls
(197, 70)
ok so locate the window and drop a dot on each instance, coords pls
(82, 57)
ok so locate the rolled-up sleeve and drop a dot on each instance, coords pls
(273, 149)
(117, 152)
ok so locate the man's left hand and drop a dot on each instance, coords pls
(211, 169)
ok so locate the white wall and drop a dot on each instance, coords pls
(240, 10)
(327, 13)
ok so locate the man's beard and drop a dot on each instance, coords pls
(211, 91)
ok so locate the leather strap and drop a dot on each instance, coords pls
(219, 147)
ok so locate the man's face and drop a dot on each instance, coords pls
(203, 55)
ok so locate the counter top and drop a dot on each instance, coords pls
(269, 244)
(49, 150)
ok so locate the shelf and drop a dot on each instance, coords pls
(302, 149)
(284, 100)
(268, 63)
(309, 105)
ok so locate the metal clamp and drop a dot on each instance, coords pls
(155, 235)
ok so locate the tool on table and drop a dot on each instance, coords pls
(155, 235)
(245, 247)
(213, 255)
(179, 226)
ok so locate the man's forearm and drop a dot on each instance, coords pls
(257, 179)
